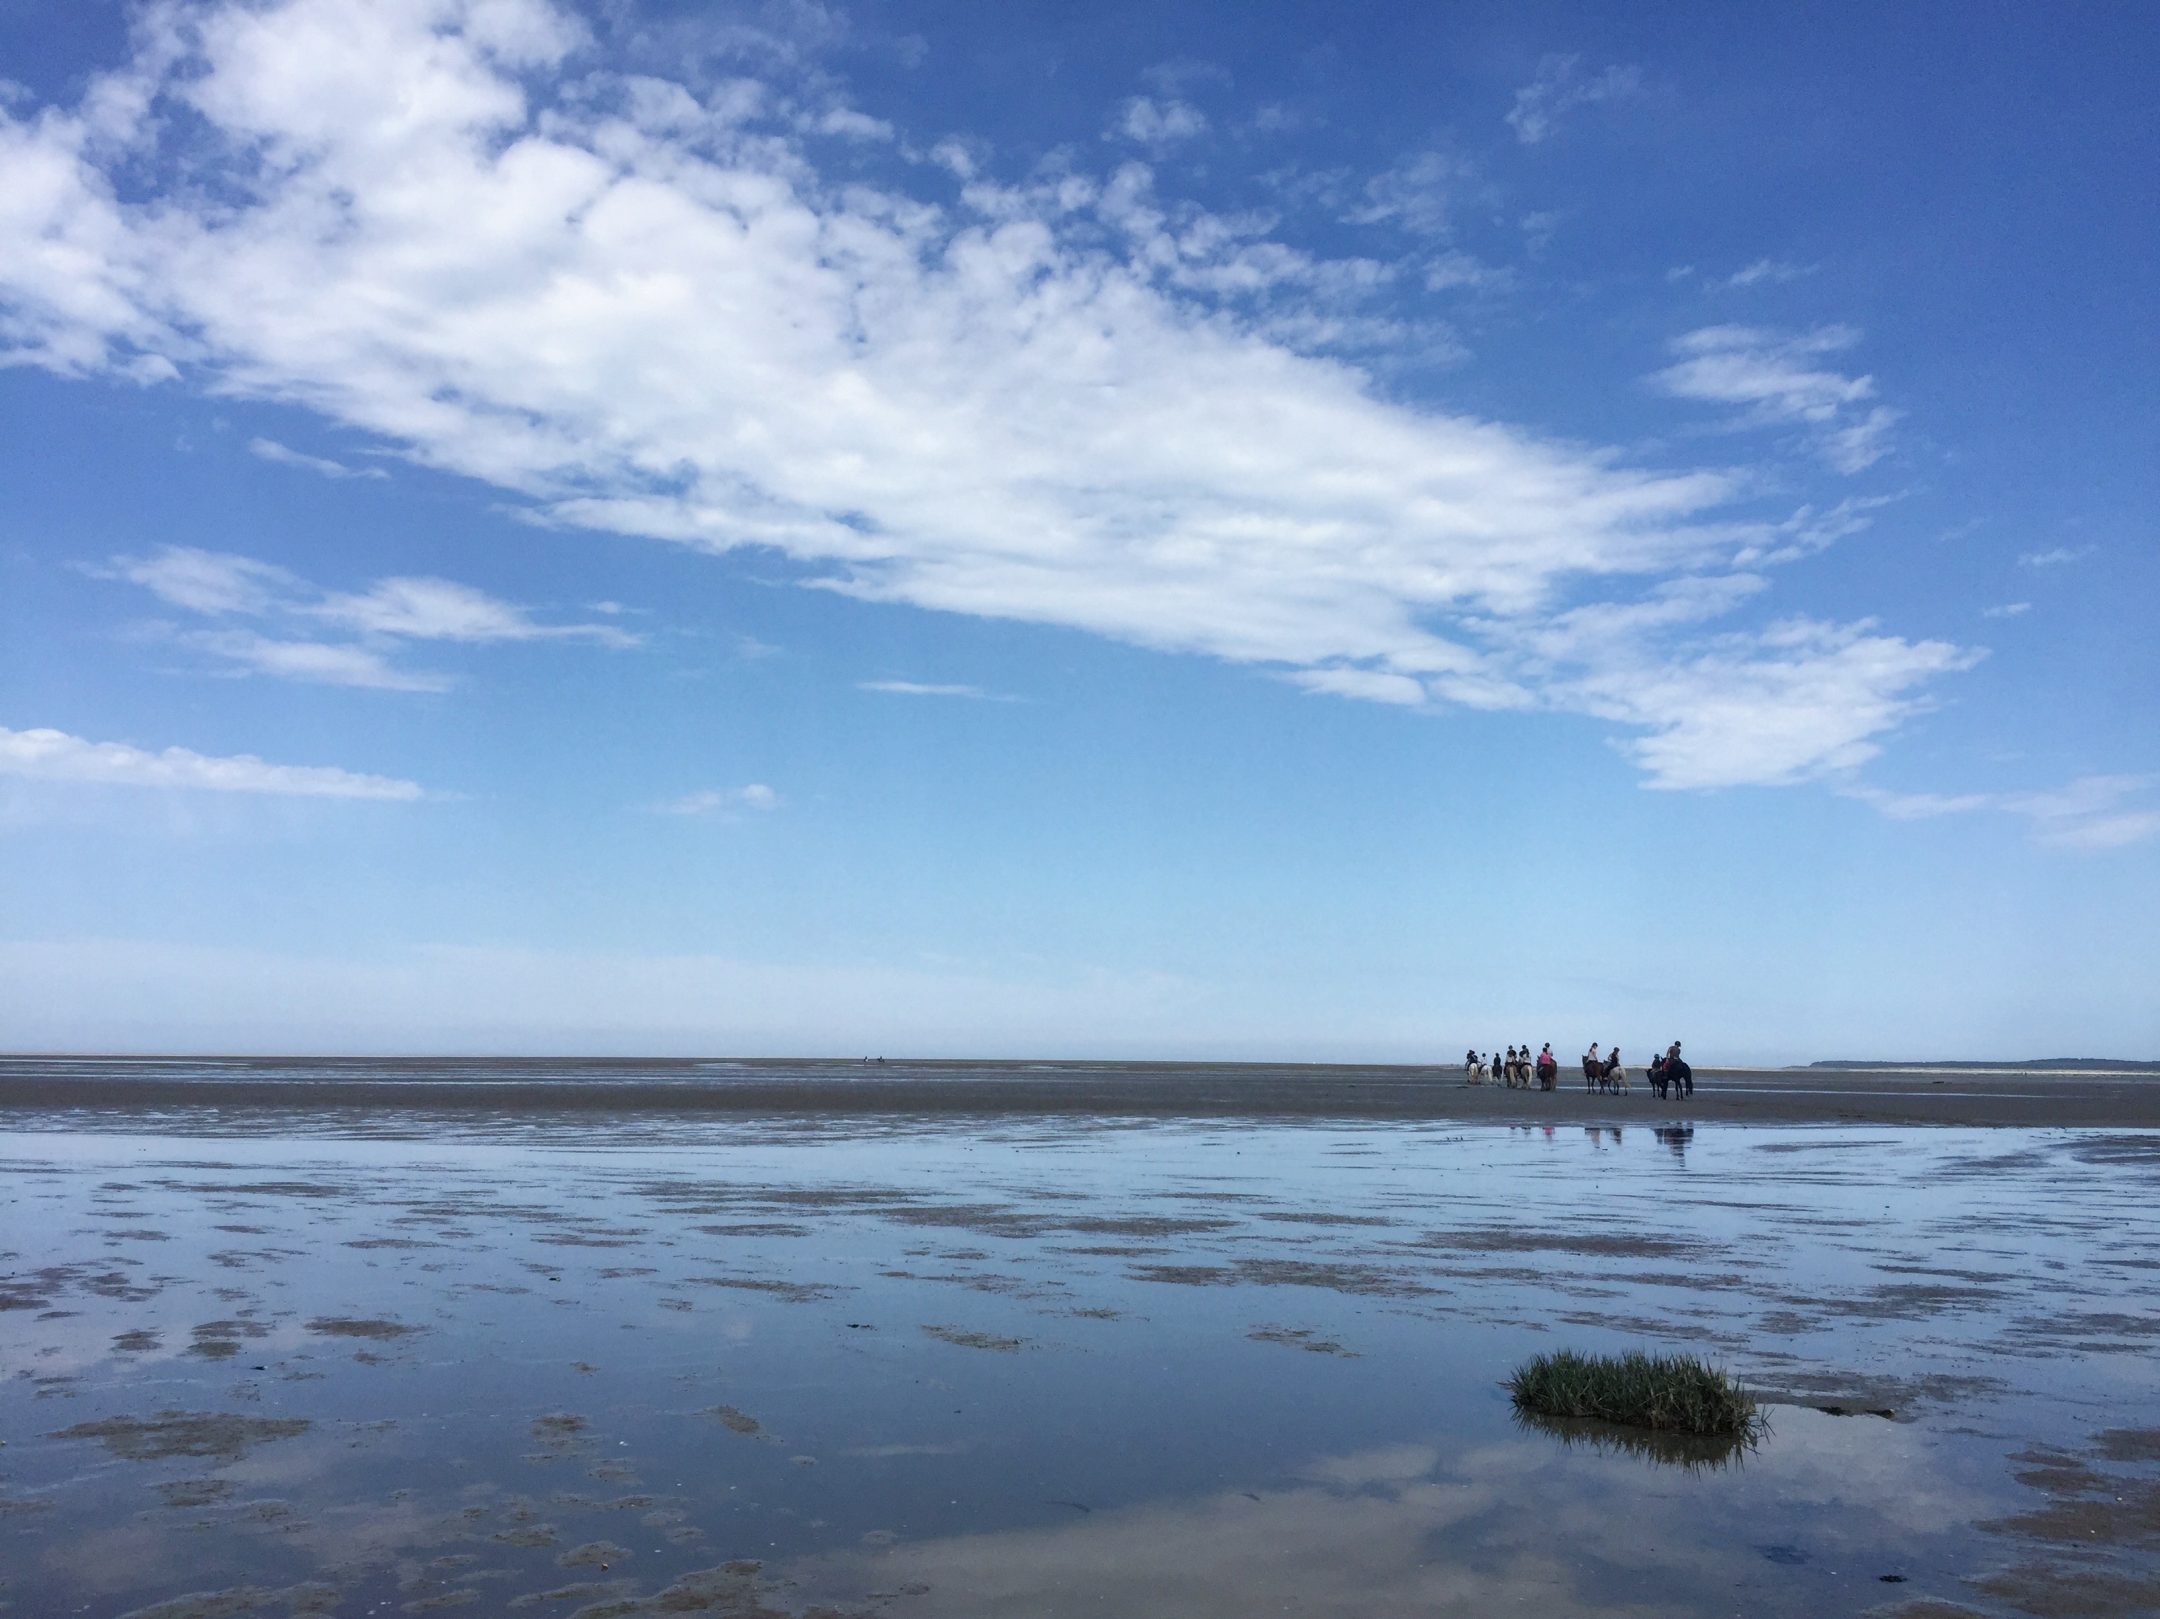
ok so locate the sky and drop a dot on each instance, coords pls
(1337, 533)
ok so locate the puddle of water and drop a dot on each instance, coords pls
(960, 1368)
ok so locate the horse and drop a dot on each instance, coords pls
(1612, 1077)
(1476, 1071)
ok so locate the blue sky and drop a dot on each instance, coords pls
(1331, 532)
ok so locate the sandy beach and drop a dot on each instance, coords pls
(527, 1088)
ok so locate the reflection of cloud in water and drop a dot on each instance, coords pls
(1306, 1550)
(340, 1542)
(1526, 1526)
(107, 1561)
(1394, 1464)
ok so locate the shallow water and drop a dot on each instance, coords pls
(951, 1367)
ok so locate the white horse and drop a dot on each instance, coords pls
(1477, 1071)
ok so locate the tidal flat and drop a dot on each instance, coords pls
(626, 1364)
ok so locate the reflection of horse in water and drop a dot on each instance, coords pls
(1676, 1136)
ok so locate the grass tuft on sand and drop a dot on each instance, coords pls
(1669, 1393)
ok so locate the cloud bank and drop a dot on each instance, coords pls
(693, 311)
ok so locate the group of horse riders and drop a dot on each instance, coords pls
(1669, 1074)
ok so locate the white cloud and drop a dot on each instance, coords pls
(1418, 194)
(851, 125)
(2060, 556)
(2103, 831)
(1067, 402)
(1919, 806)
(720, 800)
(442, 610)
(1800, 701)
(211, 582)
(48, 755)
(1779, 379)
(2006, 610)
(1539, 227)
(220, 584)
(1808, 531)
(1149, 122)
(1854, 446)
(2092, 812)
(1374, 685)
(917, 688)
(1769, 270)
(1447, 271)
(325, 663)
(1561, 86)
(269, 449)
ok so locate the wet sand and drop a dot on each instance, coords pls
(263, 1362)
(534, 1089)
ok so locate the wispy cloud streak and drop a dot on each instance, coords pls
(49, 755)
(1560, 87)
(1781, 379)
(219, 584)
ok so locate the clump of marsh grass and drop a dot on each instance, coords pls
(1668, 1393)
